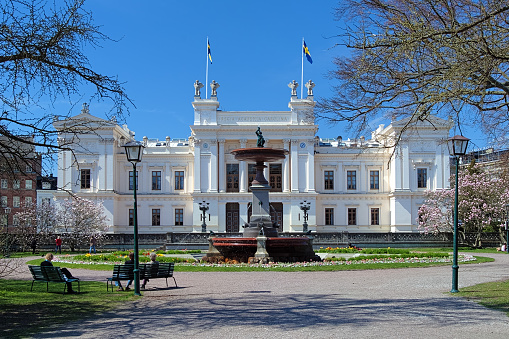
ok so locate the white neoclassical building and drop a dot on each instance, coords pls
(356, 185)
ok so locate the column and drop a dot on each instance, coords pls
(221, 165)
(243, 171)
(197, 166)
(311, 167)
(294, 166)
(213, 166)
(286, 167)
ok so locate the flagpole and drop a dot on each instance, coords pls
(302, 70)
(207, 72)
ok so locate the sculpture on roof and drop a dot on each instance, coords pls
(309, 85)
(261, 140)
(85, 108)
(214, 86)
(197, 86)
(293, 85)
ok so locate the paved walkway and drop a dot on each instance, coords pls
(396, 303)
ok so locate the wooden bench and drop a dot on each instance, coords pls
(147, 271)
(49, 274)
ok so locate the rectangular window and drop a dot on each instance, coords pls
(85, 178)
(156, 217)
(29, 169)
(28, 184)
(131, 180)
(276, 177)
(232, 177)
(351, 180)
(374, 180)
(15, 201)
(3, 219)
(156, 180)
(179, 180)
(46, 185)
(329, 216)
(131, 217)
(251, 173)
(16, 184)
(179, 216)
(422, 177)
(328, 177)
(28, 201)
(352, 216)
(375, 216)
(46, 201)
(3, 201)
(4, 183)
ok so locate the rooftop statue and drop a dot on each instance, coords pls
(261, 140)
(293, 85)
(214, 86)
(197, 86)
(309, 85)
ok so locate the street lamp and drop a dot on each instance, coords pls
(457, 146)
(134, 152)
(204, 207)
(305, 206)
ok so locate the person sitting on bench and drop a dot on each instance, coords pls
(129, 282)
(65, 271)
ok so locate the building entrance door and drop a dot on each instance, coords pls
(232, 217)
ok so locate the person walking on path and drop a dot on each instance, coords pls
(58, 245)
(93, 241)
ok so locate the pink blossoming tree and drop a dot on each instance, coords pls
(481, 205)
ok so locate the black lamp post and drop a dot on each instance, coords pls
(305, 206)
(204, 207)
(134, 152)
(507, 228)
(457, 147)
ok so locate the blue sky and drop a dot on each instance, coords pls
(256, 49)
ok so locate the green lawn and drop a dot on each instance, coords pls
(24, 312)
(494, 295)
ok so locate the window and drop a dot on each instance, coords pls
(251, 173)
(351, 180)
(329, 216)
(156, 180)
(85, 178)
(3, 219)
(4, 183)
(328, 177)
(276, 177)
(422, 177)
(232, 177)
(46, 185)
(374, 179)
(46, 201)
(28, 184)
(29, 169)
(16, 184)
(352, 216)
(131, 217)
(375, 216)
(3, 201)
(15, 201)
(131, 180)
(179, 180)
(179, 216)
(156, 217)
(28, 201)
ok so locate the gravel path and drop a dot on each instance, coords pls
(395, 303)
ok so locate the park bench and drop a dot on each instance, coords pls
(49, 274)
(147, 271)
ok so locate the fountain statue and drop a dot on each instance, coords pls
(260, 241)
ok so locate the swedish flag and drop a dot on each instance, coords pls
(208, 51)
(306, 52)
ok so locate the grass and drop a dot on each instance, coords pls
(493, 295)
(24, 312)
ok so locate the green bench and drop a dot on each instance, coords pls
(147, 271)
(49, 274)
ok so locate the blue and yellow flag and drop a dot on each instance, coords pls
(208, 51)
(305, 49)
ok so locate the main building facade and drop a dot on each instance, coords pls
(361, 185)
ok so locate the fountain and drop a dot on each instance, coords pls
(260, 241)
